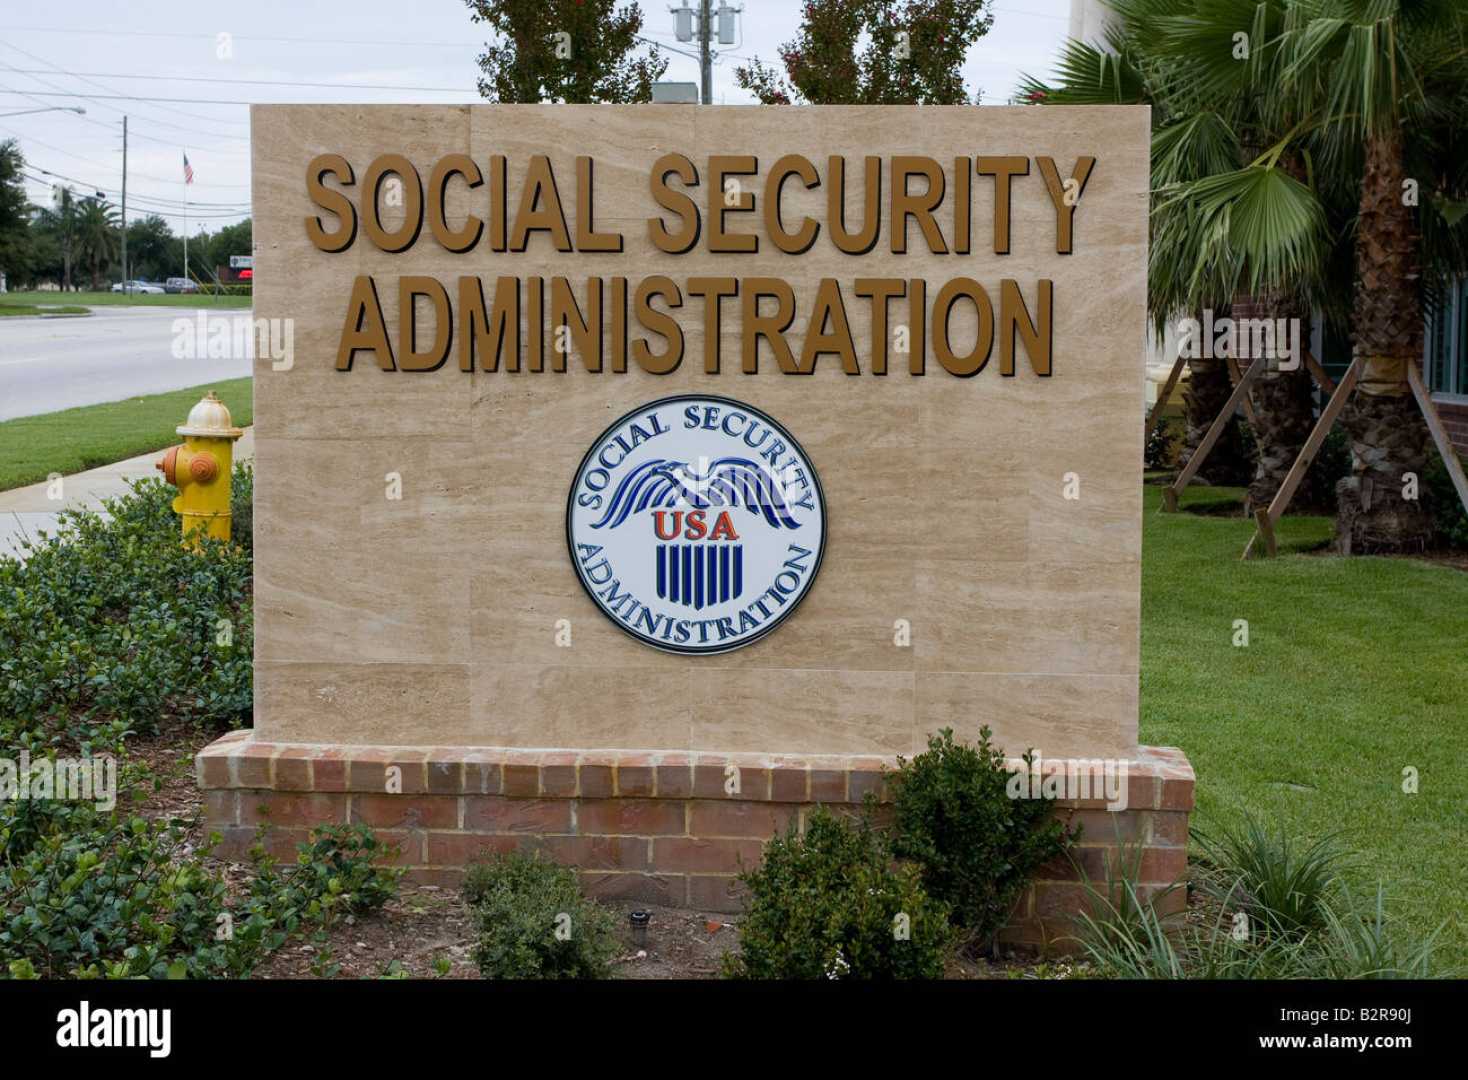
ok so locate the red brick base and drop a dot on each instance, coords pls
(1455, 421)
(661, 828)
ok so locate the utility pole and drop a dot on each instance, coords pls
(705, 54)
(124, 206)
(683, 18)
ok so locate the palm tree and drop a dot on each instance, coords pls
(97, 237)
(62, 222)
(1353, 90)
(1195, 136)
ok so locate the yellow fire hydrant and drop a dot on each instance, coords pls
(202, 467)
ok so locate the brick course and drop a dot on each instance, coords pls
(1455, 420)
(670, 828)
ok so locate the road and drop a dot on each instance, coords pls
(48, 364)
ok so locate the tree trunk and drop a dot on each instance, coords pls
(1378, 505)
(1207, 391)
(1284, 410)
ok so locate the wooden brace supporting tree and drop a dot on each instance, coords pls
(1265, 519)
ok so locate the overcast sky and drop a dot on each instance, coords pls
(153, 49)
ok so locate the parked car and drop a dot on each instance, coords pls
(180, 285)
(141, 287)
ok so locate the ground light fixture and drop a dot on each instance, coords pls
(639, 921)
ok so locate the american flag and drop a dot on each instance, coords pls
(188, 171)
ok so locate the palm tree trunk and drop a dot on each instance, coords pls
(1207, 391)
(1284, 409)
(1388, 436)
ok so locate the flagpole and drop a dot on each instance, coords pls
(186, 216)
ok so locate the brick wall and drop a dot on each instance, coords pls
(1455, 419)
(668, 828)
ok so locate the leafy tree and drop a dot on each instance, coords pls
(151, 248)
(231, 240)
(45, 261)
(873, 52)
(576, 51)
(15, 238)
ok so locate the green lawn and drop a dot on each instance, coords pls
(33, 447)
(10, 306)
(1355, 670)
(107, 299)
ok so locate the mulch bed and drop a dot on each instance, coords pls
(428, 932)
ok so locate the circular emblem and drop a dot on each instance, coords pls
(696, 524)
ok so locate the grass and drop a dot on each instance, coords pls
(33, 447)
(10, 307)
(111, 299)
(1355, 671)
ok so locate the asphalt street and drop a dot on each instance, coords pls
(48, 364)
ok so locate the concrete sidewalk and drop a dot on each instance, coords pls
(26, 511)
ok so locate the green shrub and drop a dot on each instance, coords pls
(336, 872)
(1255, 928)
(533, 922)
(242, 508)
(111, 625)
(1449, 519)
(831, 905)
(123, 897)
(1281, 885)
(977, 847)
(1159, 454)
(1332, 464)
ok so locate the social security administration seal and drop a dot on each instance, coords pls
(696, 524)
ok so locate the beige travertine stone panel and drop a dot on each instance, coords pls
(616, 708)
(371, 703)
(345, 573)
(786, 712)
(1024, 617)
(433, 618)
(1058, 715)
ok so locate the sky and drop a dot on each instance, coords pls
(113, 59)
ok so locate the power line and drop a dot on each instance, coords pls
(36, 95)
(469, 44)
(265, 82)
(140, 97)
(85, 78)
(100, 165)
(179, 203)
(134, 213)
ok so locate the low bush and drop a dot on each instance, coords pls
(1160, 452)
(111, 625)
(119, 896)
(1275, 910)
(1449, 519)
(832, 905)
(977, 847)
(1331, 465)
(242, 509)
(533, 922)
(1281, 885)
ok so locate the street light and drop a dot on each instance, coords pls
(50, 108)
